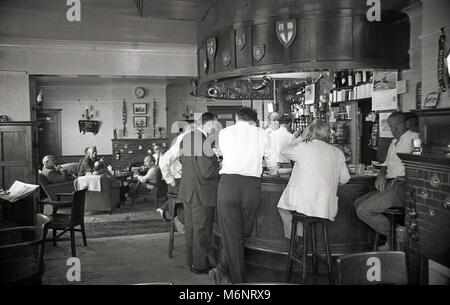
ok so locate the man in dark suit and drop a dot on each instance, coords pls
(198, 191)
(87, 163)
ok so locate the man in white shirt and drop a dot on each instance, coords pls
(390, 181)
(243, 147)
(145, 182)
(171, 170)
(280, 138)
(273, 123)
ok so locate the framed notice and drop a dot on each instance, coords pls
(310, 93)
(385, 130)
(384, 94)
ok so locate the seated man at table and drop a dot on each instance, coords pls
(52, 172)
(144, 182)
(390, 183)
(100, 169)
(87, 163)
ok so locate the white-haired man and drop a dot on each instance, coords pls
(53, 173)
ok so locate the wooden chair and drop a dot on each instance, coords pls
(69, 222)
(372, 268)
(172, 207)
(53, 193)
(22, 256)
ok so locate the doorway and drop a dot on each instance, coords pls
(225, 114)
(49, 132)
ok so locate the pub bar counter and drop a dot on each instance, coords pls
(267, 246)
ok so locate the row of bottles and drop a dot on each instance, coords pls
(351, 78)
(349, 86)
(304, 114)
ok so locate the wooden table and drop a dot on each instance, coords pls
(121, 178)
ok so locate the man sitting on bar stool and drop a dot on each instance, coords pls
(390, 182)
(319, 168)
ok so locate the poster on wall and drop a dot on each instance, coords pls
(385, 130)
(384, 94)
(310, 93)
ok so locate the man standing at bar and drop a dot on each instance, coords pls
(280, 138)
(390, 183)
(243, 147)
(274, 124)
(198, 191)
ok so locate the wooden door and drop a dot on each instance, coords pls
(18, 162)
(49, 132)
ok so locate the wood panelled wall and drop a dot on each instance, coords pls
(341, 39)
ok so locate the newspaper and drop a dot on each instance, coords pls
(18, 191)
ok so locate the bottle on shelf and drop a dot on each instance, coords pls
(357, 78)
(335, 82)
(344, 79)
(364, 76)
(350, 79)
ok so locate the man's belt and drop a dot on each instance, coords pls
(284, 165)
(396, 180)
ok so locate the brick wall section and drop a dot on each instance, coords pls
(433, 218)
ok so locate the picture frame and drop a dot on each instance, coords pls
(140, 121)
(310, 94)
(140, 108)
(432, 99)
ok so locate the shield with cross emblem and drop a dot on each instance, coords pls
(211, 48)
(286, 31)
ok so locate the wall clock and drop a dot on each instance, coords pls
(139, 92)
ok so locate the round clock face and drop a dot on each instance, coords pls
(139, 92)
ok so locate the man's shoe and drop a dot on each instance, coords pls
(385, 247)
(200, 271)
(160, 213)
(212, 260)
(218, 278)
(178, 225)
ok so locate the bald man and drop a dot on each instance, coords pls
(54, 174)
(274, 122)
(87, 163)
(390, 183)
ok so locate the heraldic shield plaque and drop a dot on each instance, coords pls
(286, 31)
(259, 51)
(226, 57)
(211, 47)
(241, 40)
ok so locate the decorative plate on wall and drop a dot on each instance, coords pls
(139, 92)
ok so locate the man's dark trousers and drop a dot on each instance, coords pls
(198, 191)
(199, 221)
(238, 199)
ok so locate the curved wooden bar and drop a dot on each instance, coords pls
(267, 244)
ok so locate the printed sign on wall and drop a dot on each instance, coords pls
(384, 94)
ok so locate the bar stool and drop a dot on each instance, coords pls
(172, 206)
(390, 213)
(293, 245)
